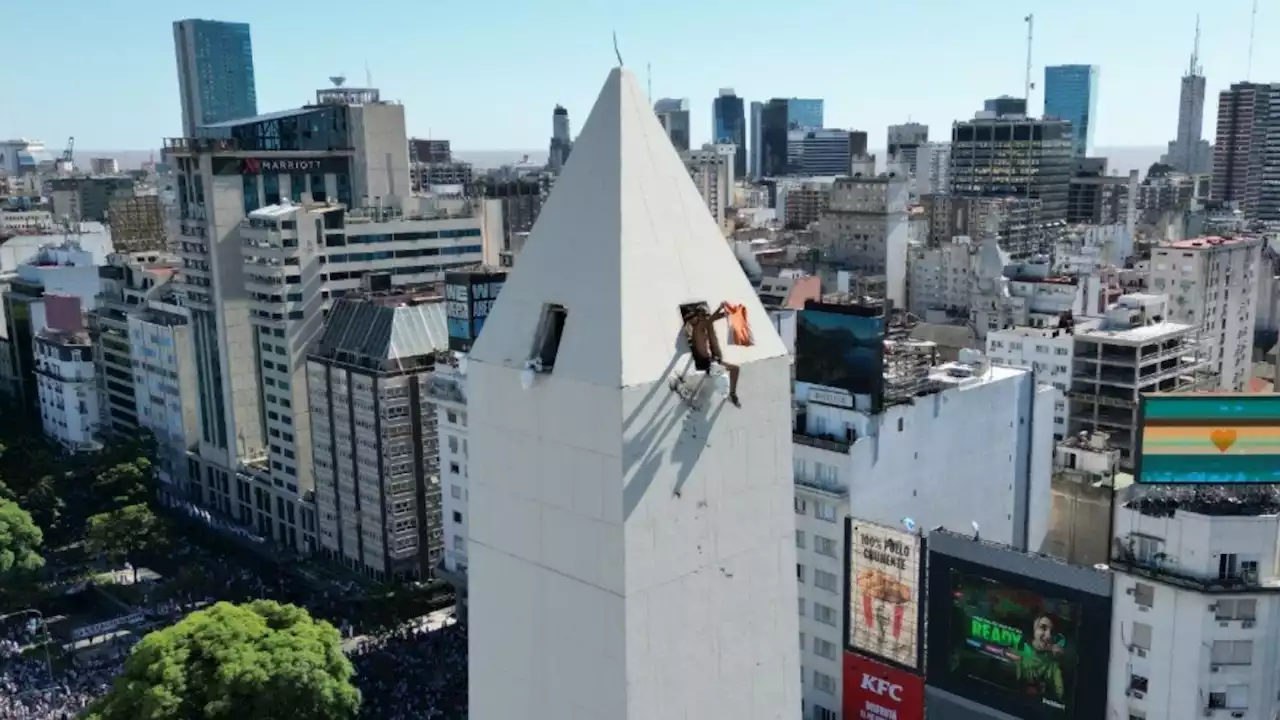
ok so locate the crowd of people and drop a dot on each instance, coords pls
(404, 669)
(413, 673)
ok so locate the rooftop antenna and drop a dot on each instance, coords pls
(616, 51)
(1195, 50)
(1027, 84)
(1253, 21)
(368, 76)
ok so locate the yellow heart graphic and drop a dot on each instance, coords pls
(1223, 438)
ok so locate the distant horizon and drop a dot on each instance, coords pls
(1121, 159)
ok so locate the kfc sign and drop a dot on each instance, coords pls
(874, 691)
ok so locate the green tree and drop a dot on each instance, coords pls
(122, 534)
(126, 483)
(20, 540)
(236, 662)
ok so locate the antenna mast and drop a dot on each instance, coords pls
(1253, 21)
(1031, 23)
(1195, 51)
(648, 74)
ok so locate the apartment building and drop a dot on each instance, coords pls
(1047, 352)
(941, 279)
(447, 389)
(1195, 613)
(1086, 469)
(1245, 154)
(1212, 284)
(67, 392)
(162, 352)
(864, 228)
(374, 436)
(711, 168)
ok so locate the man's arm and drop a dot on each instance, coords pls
(718, 314)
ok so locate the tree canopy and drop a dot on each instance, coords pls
(236, 662)
(20, 540)
(121, 534)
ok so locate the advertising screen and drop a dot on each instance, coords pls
(1017, 641)
(1210, 438)
(875, 691)
(469, 297)
(884, 593)
(841, 346)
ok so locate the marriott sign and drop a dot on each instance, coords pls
(280, 165)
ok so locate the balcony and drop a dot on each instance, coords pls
(831, 442)
(198, 145)
(831, 487)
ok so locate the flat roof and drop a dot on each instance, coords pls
(278, 114)
(1209, 241)
(1145, 333)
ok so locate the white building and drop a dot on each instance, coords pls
(447, 390)
(373, 427)
(941, 279)
(297, 259)
(67, 385)
(1007, 295)
(712, 171)
(974, 449)
(1195, 614)
(933, 163)
(1212, 285)
(617, 528)
(26, 221)
(1047, 352)
(162, 354)
(865, 227)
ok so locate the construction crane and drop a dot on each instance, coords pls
(67, 155)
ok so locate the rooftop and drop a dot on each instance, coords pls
(1215, 500)
(382, 336)
(1209, 242)
(1143, 334)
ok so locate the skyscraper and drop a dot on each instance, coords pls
(905, 140)
(1246, 157)
(1188, 153)
(215, 72)
(729, 125)
(1071, 94)
(755, 157)
(560, 142)
(617, 569)
(673, 113)
(804, 113)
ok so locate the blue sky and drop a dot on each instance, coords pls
(487, 74)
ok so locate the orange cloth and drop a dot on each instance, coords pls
(739, 329)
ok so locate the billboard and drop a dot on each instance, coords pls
(875, 691)
(883, 593)
(1017, 632)
(1209, 438)
(469, 296)
(842, 347)
(317, 165)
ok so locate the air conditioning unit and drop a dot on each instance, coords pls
(1141, 652)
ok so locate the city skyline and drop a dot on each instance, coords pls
(444, 98)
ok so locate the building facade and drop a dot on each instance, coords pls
(673, 113)
(1071, 94)
(729, 125)
(215, 72)
(1014, 157)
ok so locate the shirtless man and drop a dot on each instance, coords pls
(700, 330)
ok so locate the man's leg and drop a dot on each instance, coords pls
(733, 382)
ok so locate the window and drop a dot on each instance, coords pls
(1239, 609)
(455, 492)
(827, 616)
(459, 543)
(1143, 594)
(547, 341)
(824, 683)
(1141, 636)
(1137, 683)
(824, 511)
(800, 539)
(821, 713)
(1232, 652)
(457, 517)
(802, 506)
(801, 607)
(799, 572)
(824, 648)
(824, 546)
(825, 580)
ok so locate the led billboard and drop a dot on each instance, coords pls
(875, 691)
(469, 296)
(1209, 438)
(883, 593)
(842, 346)
(1016, 632)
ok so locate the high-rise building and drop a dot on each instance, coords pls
(804, 113)
(729, 125)
(824, 151)
(905, 141)
(1014, 156)
(712, 171)
(561, 144)
(755, 155)
(1246, 157)
(1188, 153)
(673, 113)
(864, 227)
(1005, 106)
(215, 72)
(373, 429)
(598, 541)
(933, 163)
(1071, 94)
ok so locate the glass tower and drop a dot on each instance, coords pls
(215, 72)
(804, 114)
(1071, 94)
(729, 124)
